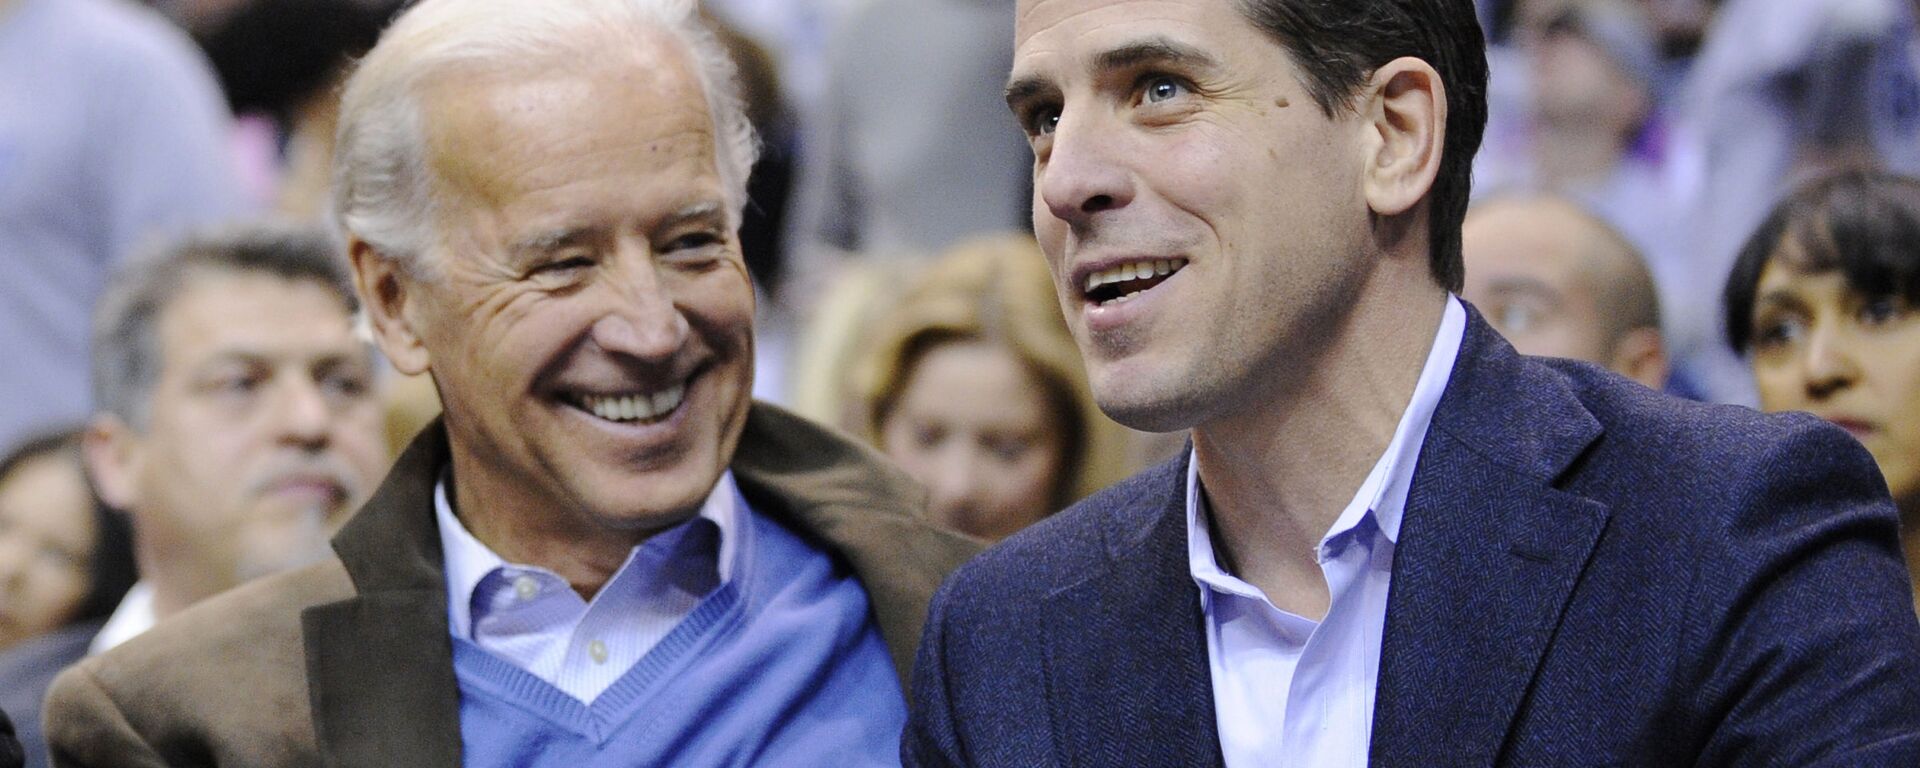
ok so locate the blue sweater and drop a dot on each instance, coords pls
(781, 666)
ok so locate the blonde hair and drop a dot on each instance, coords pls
(996, 290)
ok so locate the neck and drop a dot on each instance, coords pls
(179, 580)
(1575, 154)
(528, 532)
(1281, 472)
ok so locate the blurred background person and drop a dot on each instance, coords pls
(1557, 281)
(972, 383)
(237, 422)
(280, 64)
(112, 131)
(1576, 115)
(1780, 91)
(908, 149)
(1824, 301)
(65, 562)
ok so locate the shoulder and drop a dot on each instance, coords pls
(1714, 447)
(234, 663)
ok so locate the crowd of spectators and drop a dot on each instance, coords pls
(1715, 198)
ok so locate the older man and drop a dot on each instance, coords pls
(1557, 281)
(236, 419)
(1395, 541)
(604, 555)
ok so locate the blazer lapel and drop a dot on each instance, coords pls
(380, 665)
(1488, 554)
(1132, 638)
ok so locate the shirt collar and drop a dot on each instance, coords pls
(133, 616)
(1383, 494)
(469, 561)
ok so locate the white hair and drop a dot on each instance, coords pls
(383, 192)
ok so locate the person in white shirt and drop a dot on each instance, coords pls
(236, 418)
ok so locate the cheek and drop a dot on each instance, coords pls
(1778, 384)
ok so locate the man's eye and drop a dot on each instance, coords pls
(1162, 88)
(1042, 121)
(344, 386)
(566, 264)
(235, 385)
(693, 241)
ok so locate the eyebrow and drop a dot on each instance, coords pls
(1152, 50)
(560, 237)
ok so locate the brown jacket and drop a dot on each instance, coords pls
(349, 662)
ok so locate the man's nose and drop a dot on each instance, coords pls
(1828, 366)
(305, 414)
(641, 319)
(1083, 172)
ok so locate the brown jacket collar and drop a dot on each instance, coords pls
(380, 664)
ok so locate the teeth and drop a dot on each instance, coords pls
(635, 407)
(1138, 270)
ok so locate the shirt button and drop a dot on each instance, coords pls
(598, 650)
(526, 587)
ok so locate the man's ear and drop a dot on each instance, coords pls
(390, 298)
(1639, 354)
(114, 456)
(1406, 113)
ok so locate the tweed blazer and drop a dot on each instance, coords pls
(349, 662)
(1588, 573)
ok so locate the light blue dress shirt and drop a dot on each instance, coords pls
(1288, 690)
(532, 618)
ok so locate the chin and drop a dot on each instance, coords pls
(1147, 408)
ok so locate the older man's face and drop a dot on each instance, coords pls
(1202, 215)
(591, 332)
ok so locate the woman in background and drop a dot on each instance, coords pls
(972, 383)
(65, 562)
(1824, 301)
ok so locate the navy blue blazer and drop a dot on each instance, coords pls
(1588, 573)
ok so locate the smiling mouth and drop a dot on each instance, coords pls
(632, 407)
(1117, 284)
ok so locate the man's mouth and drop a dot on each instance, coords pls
(1117, 284)
(632, 407)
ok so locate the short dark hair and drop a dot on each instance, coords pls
(1866, 224)
(126, 345)
(110, 566)
(1338, 44)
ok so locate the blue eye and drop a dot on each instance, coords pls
(1162, 88)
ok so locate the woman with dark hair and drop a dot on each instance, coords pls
(1824, 301)
(65, 562)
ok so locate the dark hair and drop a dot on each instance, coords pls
(1866, 224)
(271, 56)
(126, 345)
(111, 570)
(1339, 43)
